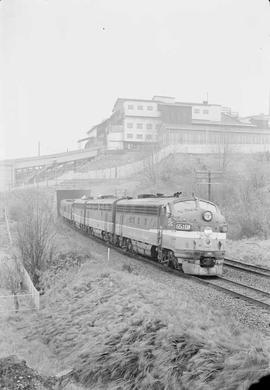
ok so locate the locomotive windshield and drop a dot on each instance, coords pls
(181, 207)
(207, 206)
(191, 205)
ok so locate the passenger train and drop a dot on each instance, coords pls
(185, 233)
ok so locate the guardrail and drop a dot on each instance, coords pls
(26, 280)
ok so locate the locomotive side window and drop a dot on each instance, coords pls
(207, 206)
(181, 207)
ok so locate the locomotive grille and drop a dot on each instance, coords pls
(207, 261)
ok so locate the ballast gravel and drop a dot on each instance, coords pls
(252, 280)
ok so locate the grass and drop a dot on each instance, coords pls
(251, 251)
(119, 331)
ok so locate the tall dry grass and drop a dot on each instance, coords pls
(119, 331)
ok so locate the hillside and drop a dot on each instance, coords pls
(241, 189)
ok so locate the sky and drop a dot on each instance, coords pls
(63, 63)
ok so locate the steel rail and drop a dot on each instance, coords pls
(255, 269)
(255, 296)
(198, 279)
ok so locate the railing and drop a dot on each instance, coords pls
(31, 288)
(26, 280)
(18, 302)
(127, 170)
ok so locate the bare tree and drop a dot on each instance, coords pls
(35, 234)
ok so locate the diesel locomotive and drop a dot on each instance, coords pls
(185, 233)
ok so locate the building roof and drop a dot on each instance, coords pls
(216, 127)
(161, 102)
(163, 96)
(223, 122)
(99, 124)
(118, 100)
(196, 104)
(84, 139)
(259, 116)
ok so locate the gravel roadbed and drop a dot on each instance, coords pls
(252, 280)
(245, 313)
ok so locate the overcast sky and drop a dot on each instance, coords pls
(65, 62)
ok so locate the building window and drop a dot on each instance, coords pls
(130, 107)
(148, 136)
(140, 107)
(129, 125)
(149, 126)
(139, 136)
(139, 125)
(150, 108)
(206, 111)
(129, 135)
(196, 111)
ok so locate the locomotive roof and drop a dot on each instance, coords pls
(91, 201)
(152, 201)
(155, 201)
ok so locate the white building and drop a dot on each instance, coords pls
(136, 122)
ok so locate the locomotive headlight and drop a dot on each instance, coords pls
(207, 216)
(208, 231)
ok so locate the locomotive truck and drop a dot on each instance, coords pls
(185, 233)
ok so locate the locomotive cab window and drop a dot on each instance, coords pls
(207, 206)
(181, 207)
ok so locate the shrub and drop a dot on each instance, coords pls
(35, 231)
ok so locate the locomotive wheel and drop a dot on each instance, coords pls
(122, 242)
(163, 257)
(116, 241)
(129, 246)
(173, 263)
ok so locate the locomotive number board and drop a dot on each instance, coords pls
(182, 226)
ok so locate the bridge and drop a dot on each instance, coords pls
(11, 169)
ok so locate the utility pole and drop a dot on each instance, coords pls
(38, 148)
(209, 178)
(209, 185)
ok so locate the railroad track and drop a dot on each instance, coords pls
(239, 290)
(255, 269)
(254, 296)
